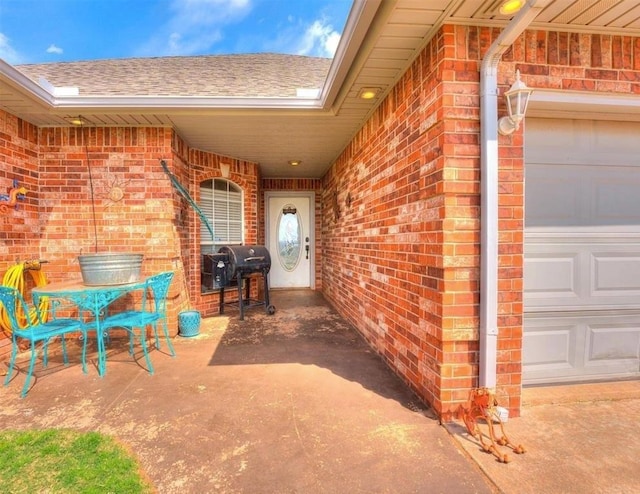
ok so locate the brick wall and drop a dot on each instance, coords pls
(384, 218)
(20, 224)
(401, 207)
(19, 157)
(136, 207)
(132, 196)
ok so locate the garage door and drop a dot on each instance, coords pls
(582, 250)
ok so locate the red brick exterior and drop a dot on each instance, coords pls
(397, 215)
(136, 207)
(402, 207)
(19, 230)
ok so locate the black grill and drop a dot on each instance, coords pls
(214, 271)
(244, 263)
(246, 259)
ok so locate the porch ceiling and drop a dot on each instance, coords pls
(381, 39)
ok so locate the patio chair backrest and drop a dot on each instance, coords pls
(36, 330)
(13, 303)
(159, 285)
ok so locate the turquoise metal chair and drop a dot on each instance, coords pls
(35, 332)
(152, 312)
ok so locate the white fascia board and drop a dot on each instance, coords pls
(187, 102)
(20, 81)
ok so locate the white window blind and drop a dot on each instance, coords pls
(221, 203)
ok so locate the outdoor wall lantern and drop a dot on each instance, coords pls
(517, 99)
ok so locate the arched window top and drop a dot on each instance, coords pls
(221, 184)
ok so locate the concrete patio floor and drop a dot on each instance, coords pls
(297, 403)
(579, 439)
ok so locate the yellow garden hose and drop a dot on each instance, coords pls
(14, 277)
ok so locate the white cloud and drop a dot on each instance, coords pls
(320, 39)
(332, 42)
(180, 44)
(174, 42)
(195, 26)
(190, 13)
(201, 26)
(55, 50)
(7, 52)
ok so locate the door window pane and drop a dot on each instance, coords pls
(289, 237)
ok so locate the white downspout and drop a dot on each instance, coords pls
(489, 189)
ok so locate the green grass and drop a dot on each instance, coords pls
(64, 461)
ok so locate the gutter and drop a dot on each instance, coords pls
(489, 189)
(194, 103)
(25, 85)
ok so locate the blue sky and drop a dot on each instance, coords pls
(40, 31)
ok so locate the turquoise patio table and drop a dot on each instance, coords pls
(93, 299)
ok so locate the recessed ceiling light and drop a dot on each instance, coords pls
(510, 7)
(368, 92)
(75, 120)
(294, 162)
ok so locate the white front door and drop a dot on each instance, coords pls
(289, 239)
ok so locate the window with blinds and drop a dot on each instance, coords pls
(221, 203)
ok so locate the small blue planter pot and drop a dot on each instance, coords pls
(189, 323)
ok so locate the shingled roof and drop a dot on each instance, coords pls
(245, 75)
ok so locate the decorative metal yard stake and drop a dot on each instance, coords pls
(11, 200)
(483, 405)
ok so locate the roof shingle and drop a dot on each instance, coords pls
(231, 76)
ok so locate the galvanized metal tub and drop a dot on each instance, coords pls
(110, 268)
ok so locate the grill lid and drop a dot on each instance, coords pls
(246, 259)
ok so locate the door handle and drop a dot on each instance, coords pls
(306, 248)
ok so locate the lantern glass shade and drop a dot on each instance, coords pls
(517, 100)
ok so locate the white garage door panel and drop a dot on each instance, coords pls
(597, 142)
(616, 199)
(552, 196)
(581, 195)
(621, 342)
(553, 341)
(617, 275)
(582, 250)
(551, 277)
(580, 347)
(581, 271)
